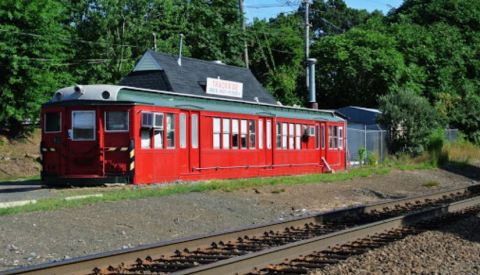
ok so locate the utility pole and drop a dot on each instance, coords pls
(242, 22)
(307, 38)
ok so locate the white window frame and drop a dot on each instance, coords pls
(45, 123)
(217, 132)
(291, 136)
(298, 136)
(226, 126)
(182, 130)
(167, 130)
(142, 130)
(94, 126)
(116, 131)
(243, 133)
(260, 134)
(284, 135)
(250, 134)
(340, 137)
(269, 134)
(235, 130)
(155, 119)
(194, 131)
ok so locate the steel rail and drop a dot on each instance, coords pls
(85, 264)
(258, 260)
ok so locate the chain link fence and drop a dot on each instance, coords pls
(375, 141)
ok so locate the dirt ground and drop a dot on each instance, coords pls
(19, 158)
(45, 236)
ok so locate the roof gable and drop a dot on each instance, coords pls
(191, 77)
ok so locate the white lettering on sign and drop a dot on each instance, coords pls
(224, 87)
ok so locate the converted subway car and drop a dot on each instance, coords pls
(108, 133)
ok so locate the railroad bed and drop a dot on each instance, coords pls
(293, 246)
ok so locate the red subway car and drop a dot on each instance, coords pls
(106, 134)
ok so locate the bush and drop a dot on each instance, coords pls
(410, 118)
(362, 155)
(372, 159)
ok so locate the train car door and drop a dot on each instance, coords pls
(82, 144)
(322, 140)
(193, 147)
(268, 142)
(335, 145)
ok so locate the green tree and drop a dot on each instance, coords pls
(33, 59)
(410, 119)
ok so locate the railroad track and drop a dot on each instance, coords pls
(307, 242)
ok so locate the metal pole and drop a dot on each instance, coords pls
(365, 140)
(240, 6)
(307, 39)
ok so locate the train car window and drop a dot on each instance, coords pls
(298, 136)
(335, 136)
(216, 133)
(279, 135)
(260, 134)
(147, 120)
(322, 136)
(235, 133)
(183, 130)
(330, 137)
(158, 123)
(53, 122)
(83, 125)
(252, 134)
(243, 134)
(291, 136)
(284, 135)
(158, 133)
(116, 121)
(317, 137)
(170, 131)
(145, 138)
(226, 133)
(269, 134)
(194, 131)
(340, 137)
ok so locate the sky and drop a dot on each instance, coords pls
(270, 8)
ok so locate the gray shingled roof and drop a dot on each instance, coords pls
(191, 77)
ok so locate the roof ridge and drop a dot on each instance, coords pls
(200, 60)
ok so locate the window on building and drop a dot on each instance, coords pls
(243, 134)
(83, 125)
(226, 133)
(322, 136)
(53, 122)
(170, 131)
(269, 134)
(235, 135)
(116, 121)
(252, 134)
(216, 133)
(183, 130)
(279, 135)
(298, 136)
(317, 137)
(335, 136)
(291, 136)
(284, 135)
(158, 132)
(260, 134)
(330, 136)
(340, 137)
(158, 120)
(194, 131)
(145, 138)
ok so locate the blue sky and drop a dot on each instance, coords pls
(270, 8)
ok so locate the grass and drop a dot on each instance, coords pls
(462, 152)
(142, 192)
(20, 181)
(431, 183)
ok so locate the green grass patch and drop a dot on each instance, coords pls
(148, 191)
(20, 181)
(431, 183)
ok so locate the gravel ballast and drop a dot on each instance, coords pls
(451, 249)
(37, 237)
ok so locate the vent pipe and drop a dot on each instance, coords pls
(311, 83)
(179, 60)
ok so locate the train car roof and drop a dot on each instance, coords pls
(111, 94)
